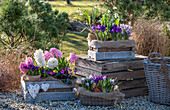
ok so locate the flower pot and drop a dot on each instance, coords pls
(99, 98)
(107, 50)
(31, 78)
(57, 90)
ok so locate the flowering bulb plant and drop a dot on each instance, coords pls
(49, 64)
(109, 27)
(104, 83)
(109, 30)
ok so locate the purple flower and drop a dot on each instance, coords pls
(37, 67)
(69, 69)
(66, 68)
(118, 29)
(112, 31)
(104, 76)
(73, 57)
(62, 71)
(103, 28)
(75, 71)
(71, 73)
(51, 73)
(87, 84)
(83, 79)
(91, 81)
(93, 28)
(112, 81)
(98, 27)
(97, 79)
(114, 27)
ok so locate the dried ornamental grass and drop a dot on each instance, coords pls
(149, 38)
(9, 68)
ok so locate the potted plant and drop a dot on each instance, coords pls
(109, 39)
(48, 72)
(99, 91)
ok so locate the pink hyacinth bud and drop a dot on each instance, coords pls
(56, 52)
(23, 66)
(73, 57)
(29, 61)
(48, 55)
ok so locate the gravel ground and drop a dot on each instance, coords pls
(14, 101)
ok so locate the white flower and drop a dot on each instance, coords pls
(38, 53)
(75, 17)
(108, 11)
(96, 7)
(40, 60)
(114, 8)
(81, 13)
(116, 15)
(52, 63)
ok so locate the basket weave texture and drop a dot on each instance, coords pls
(157, 71)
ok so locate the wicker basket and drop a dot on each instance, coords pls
(157, 72)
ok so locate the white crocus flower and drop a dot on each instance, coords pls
(108, 11)
(116, 15)
(52, 63)
(81, 13)
(114, 8)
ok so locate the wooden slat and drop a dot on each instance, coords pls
(127, 75)
(53, 84)
(89, 64)
(135, 92)
(132, 84)
(111, 55)
(111, 49)
(137, 57)
(119, 66)
(87, 72)
(49, 96)
(58, 90)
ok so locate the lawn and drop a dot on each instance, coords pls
(74, 43)
(71, 9)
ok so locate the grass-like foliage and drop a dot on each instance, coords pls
(149, 38)
(9, 67)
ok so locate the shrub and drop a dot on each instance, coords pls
(157, 9)
(20, 20)
(149, 38)
(9, 70)
(128, 10)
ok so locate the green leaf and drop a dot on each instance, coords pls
(117, 21)
(88, 17)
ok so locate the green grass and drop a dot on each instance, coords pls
(74, 43)
(71, 9)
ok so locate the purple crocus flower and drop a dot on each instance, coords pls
(83, 79)
(91, 81)
(69, 69)
(104, 76)
(51, 73)
(62, 71)
(103, 28)
(118, 29)
(114, 27)
(99, 27)
(87, 84)
(112, 81)
(71, 73)
(66, 68)
(93, 28)
(112, 31)
(75, 71)
(37, 67)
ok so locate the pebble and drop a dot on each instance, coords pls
(17, 103)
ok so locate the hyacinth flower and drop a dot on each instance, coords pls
(56, 52)
(72, 58)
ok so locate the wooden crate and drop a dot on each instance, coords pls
(130, 72)
(57, 91)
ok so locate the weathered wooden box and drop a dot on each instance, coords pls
(106, 50)
(57, 91)
(130, 72)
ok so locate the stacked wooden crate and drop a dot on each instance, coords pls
(130, 72)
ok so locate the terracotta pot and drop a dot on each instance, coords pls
(31, 78)
(97, 89)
